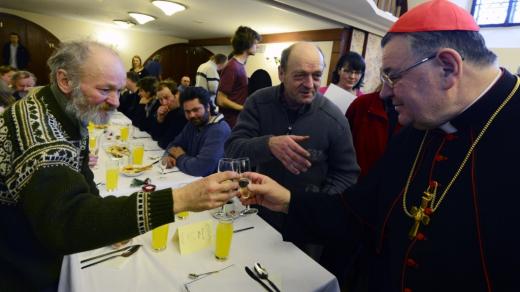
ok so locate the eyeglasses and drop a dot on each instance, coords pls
(351, 72)
(391, 79)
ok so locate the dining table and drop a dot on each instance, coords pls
(289, 269)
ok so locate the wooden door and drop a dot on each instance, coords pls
(178, 60)
(39, 42)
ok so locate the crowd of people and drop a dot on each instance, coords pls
(405, 191)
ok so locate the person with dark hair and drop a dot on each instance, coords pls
(170, 119)
(129, 98)
(153, 66)
(146, 109)
(349, 73)
(258, 80)
(208, 77)
(438, 212)
(233, 90)
(15, 54)
(198, 148)
(49, 203)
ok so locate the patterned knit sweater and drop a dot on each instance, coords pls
(49, 204)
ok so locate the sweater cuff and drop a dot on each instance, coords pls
(161, 208)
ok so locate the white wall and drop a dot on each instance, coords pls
(264, 58)
(127, 42)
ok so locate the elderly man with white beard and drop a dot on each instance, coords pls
(49, 203)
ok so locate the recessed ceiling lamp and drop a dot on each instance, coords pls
(168, 7)
(123, 23)
(141, 18)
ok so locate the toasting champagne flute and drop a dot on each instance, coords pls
(225, 164)
(244, 165)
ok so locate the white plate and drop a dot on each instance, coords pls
(132, 174)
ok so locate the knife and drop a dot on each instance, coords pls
(255, 277)
(108, 253)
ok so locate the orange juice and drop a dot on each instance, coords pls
(137, 154)
(112, 178)
(124, 133)
(92, 142)
(224, 236)
(160, 237)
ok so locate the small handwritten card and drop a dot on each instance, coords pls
(194, 237)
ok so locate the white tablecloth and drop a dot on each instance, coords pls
(148, 270)
(167, 270)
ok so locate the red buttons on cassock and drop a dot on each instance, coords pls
(407, 290)
(450, 137)
(440, 157)
(420, 236)
(411, 263)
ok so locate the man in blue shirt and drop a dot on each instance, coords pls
(198, 148)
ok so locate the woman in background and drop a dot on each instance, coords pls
(137, 67)
(349, 73)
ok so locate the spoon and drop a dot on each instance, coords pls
(125, 254)
(195, 276)
(262, 274)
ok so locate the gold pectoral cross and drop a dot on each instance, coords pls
(422, 214)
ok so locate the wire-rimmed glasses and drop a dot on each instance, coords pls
(390, 79)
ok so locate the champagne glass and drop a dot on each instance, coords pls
(244, 165)
(225, 164)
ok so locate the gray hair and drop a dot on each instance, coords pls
(19, 75)
(470, 44)
(71, 57)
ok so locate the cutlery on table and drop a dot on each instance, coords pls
(256, 278)
(125, 254)
(195, 276)
(105, 254)
(264, 275)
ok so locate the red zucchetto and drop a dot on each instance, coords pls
(436, 15)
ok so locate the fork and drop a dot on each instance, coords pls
(125, 254)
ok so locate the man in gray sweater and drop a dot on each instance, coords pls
(294, 134)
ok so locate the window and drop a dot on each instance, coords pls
(490, 13)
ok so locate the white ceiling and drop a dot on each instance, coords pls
(216, 18)
(202, 19)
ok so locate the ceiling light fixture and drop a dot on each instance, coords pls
(123, 23)
(168, 7)
(140, 17)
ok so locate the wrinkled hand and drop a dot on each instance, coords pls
(293, 156)
(92, 159)
(168, 161)
(208, 193)
(267, 192)
(176, 152)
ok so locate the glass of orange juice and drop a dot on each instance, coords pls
(223, 238)
(137, 153)
(112, 174)
(160, 237)
(124, 132)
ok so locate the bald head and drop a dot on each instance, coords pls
(298, 49)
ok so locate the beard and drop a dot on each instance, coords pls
(198, 122)
(85, 112)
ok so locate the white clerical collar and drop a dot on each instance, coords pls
(447, 127)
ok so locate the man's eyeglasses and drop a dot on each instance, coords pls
(391, 79)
